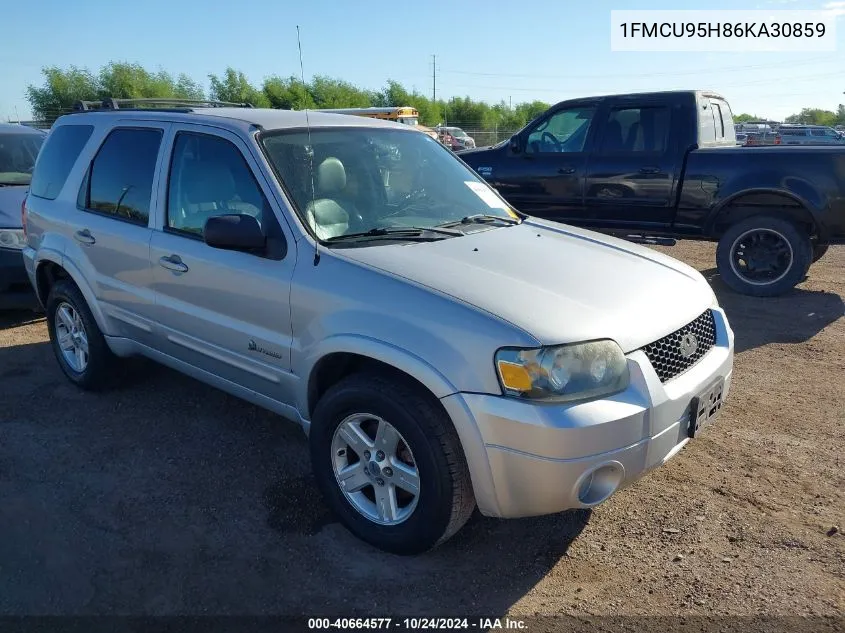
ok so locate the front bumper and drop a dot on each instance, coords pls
(15, 288)
(529, 459)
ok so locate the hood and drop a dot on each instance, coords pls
(11, 198)
(558, 283)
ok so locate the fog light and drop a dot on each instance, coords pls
(596, 485)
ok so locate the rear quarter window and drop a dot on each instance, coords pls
(56, 159)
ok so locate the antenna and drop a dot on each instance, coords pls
(309, 150)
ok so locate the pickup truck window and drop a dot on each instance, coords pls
(644, 129)
(564, 131)
(718, 120)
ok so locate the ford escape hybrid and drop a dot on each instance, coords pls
(442, 350)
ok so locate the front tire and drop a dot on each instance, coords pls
(763, 256)
(389, 463)
(78, 343)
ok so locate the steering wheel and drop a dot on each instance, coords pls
(407, 201)
(553, 140)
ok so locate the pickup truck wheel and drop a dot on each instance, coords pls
(763, 256)
(389, 463)
(78, 343)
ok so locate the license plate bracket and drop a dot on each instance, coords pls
(705, 407)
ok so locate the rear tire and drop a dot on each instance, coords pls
(79, 345)
(763, 256)
(444, 500)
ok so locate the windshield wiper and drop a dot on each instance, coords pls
(404, 232)
(481, 218)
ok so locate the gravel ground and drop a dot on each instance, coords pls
(169, 497)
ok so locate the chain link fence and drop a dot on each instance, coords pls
(484, 136)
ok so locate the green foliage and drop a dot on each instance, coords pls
(744, 118)
(233, 86)
(817, 116)
(61, 88)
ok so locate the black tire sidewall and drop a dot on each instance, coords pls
(422, 530)
(798, 240)
(96, 371)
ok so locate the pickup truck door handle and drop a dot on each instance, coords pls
(84, 236)
(650, 170)
(174, 263)
(566, 171)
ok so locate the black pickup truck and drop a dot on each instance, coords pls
(655, 167)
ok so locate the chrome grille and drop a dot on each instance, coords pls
(671, 356)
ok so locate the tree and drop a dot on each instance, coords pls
(335, 93)
(287, 94)
(132, 81)
(744, 118)
(61, 89)
(234, 87)
(813, 116)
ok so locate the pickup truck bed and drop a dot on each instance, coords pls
(666, 165)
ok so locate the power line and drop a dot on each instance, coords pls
(659, 74)
(812, 77)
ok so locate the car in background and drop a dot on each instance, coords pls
(19, 147)
(457, 138)
(809, 135)
(753, 139)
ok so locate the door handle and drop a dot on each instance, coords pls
(566, 170)
(650, 170)
(84, 236)
(174, 263)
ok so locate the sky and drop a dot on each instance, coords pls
(547, 50)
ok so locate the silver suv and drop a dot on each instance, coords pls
(441, 350)
(809, 135)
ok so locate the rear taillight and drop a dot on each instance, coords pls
(777, 140)
(23, 215)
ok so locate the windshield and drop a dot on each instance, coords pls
(372, 178)
(17, 157)
(458, 132)
(409, 120)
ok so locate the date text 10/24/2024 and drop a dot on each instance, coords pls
(417, 624)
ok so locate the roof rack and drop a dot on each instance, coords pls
(149, 103)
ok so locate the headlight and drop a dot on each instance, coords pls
(563, 373)
(12, 238)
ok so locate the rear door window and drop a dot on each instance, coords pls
(57, 158)
(120, 180)
(640, 129)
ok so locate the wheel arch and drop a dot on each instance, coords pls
(763, 202)
(339, 356)
(50, 270)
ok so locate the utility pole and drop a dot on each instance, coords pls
(434, 77)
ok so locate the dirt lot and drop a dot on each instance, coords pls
(169, 497)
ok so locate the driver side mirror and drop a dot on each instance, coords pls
(234, 232)
(514, 144)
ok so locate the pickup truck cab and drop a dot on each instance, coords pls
(666, 165)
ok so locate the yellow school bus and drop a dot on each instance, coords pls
(402, 114)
